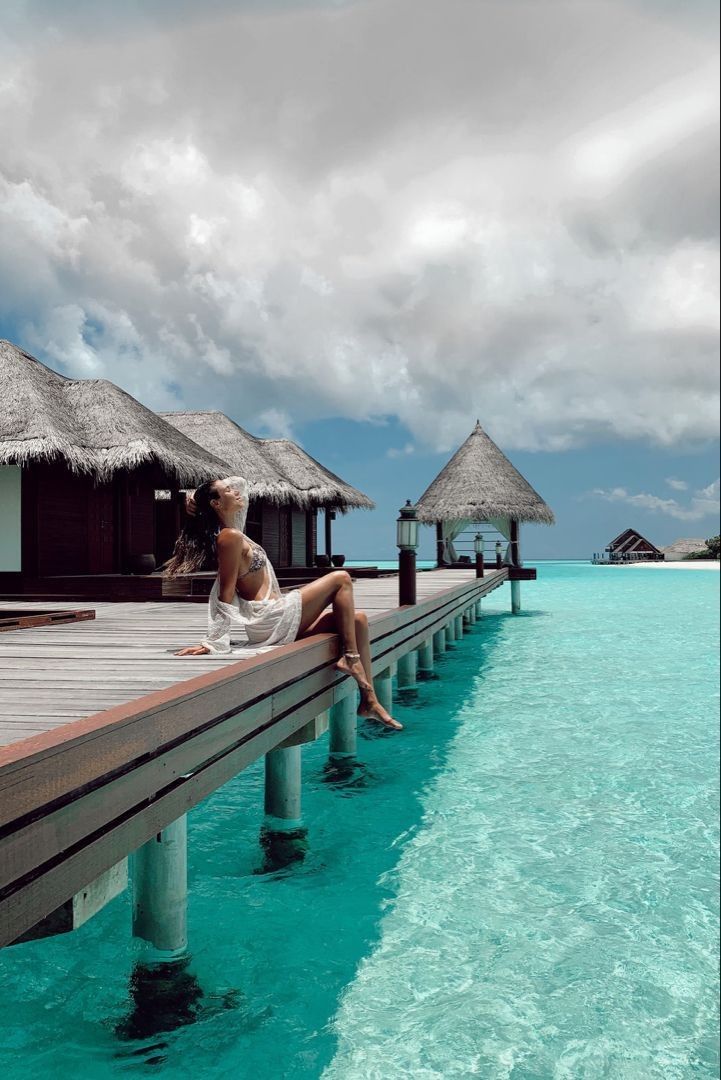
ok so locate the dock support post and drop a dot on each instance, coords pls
(383, 683)
(439, 642)
(283, 836)
(450, 629)
(160, 890)
(471, 612)
(163, 993)
(459, 626)
(479, 609)
(425, 659)
(515, 597)
(282, 785)
(343, 722)
(407, 671)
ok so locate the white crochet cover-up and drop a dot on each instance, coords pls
(274, 620)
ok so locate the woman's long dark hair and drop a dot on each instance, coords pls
(195, 547)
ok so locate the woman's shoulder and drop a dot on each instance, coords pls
(231, 539)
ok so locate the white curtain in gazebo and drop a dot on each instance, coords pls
(449, 531)
(503, 525)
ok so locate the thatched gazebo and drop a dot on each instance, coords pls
(80, 461)
(479, 485)
(287, 485)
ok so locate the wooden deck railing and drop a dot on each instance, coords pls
(76, 800)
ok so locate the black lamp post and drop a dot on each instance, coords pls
(478, 548)
(499, 555)
(407, 540)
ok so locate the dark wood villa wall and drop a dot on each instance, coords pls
(288, 534)
(71, 525)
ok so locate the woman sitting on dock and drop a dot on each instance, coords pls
(246, 597)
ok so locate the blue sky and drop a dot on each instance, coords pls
(365, 224)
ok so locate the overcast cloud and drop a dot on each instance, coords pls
(444, 210)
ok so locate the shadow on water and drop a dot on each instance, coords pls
(282, 848)
(163, 998)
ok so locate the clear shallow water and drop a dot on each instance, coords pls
(524, 887)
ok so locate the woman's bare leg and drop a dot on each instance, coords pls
(335, 589)
(352, 627)
(370, 707)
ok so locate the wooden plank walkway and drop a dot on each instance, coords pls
(50, 676)
(110, 738)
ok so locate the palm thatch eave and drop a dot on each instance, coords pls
(92, 425)
(324, 488)
(277, 470)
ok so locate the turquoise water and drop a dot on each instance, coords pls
(522, 884)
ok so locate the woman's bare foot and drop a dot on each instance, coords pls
(370, 708)
(350, 664)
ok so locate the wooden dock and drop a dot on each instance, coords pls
(107, 737)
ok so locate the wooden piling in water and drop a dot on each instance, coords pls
(160, 890)
(343, 727)
(407, 671)
(425, 659)
(282, 788)
(384, 688)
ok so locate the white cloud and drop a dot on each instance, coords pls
(400, 451)
(275, 222)
(274, 424)
(710, 492)
(677, 485)
(702, 505)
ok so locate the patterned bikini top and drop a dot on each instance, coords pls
(257, 561)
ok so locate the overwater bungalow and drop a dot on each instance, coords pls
(287, 486)
(631, 546)
(479, 492)
(80, 461)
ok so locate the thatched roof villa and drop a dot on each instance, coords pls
(479, 486)
(287, 485)
(80, 460)
(683, 547)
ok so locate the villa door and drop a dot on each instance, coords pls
(101, 529)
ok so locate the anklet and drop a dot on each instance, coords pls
(352, 656)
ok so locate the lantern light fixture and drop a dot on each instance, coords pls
(407, 527)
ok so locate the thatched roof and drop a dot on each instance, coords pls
(324, 488)
(94, 426)
(682, 547)
(276, 469)
(480, 484)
